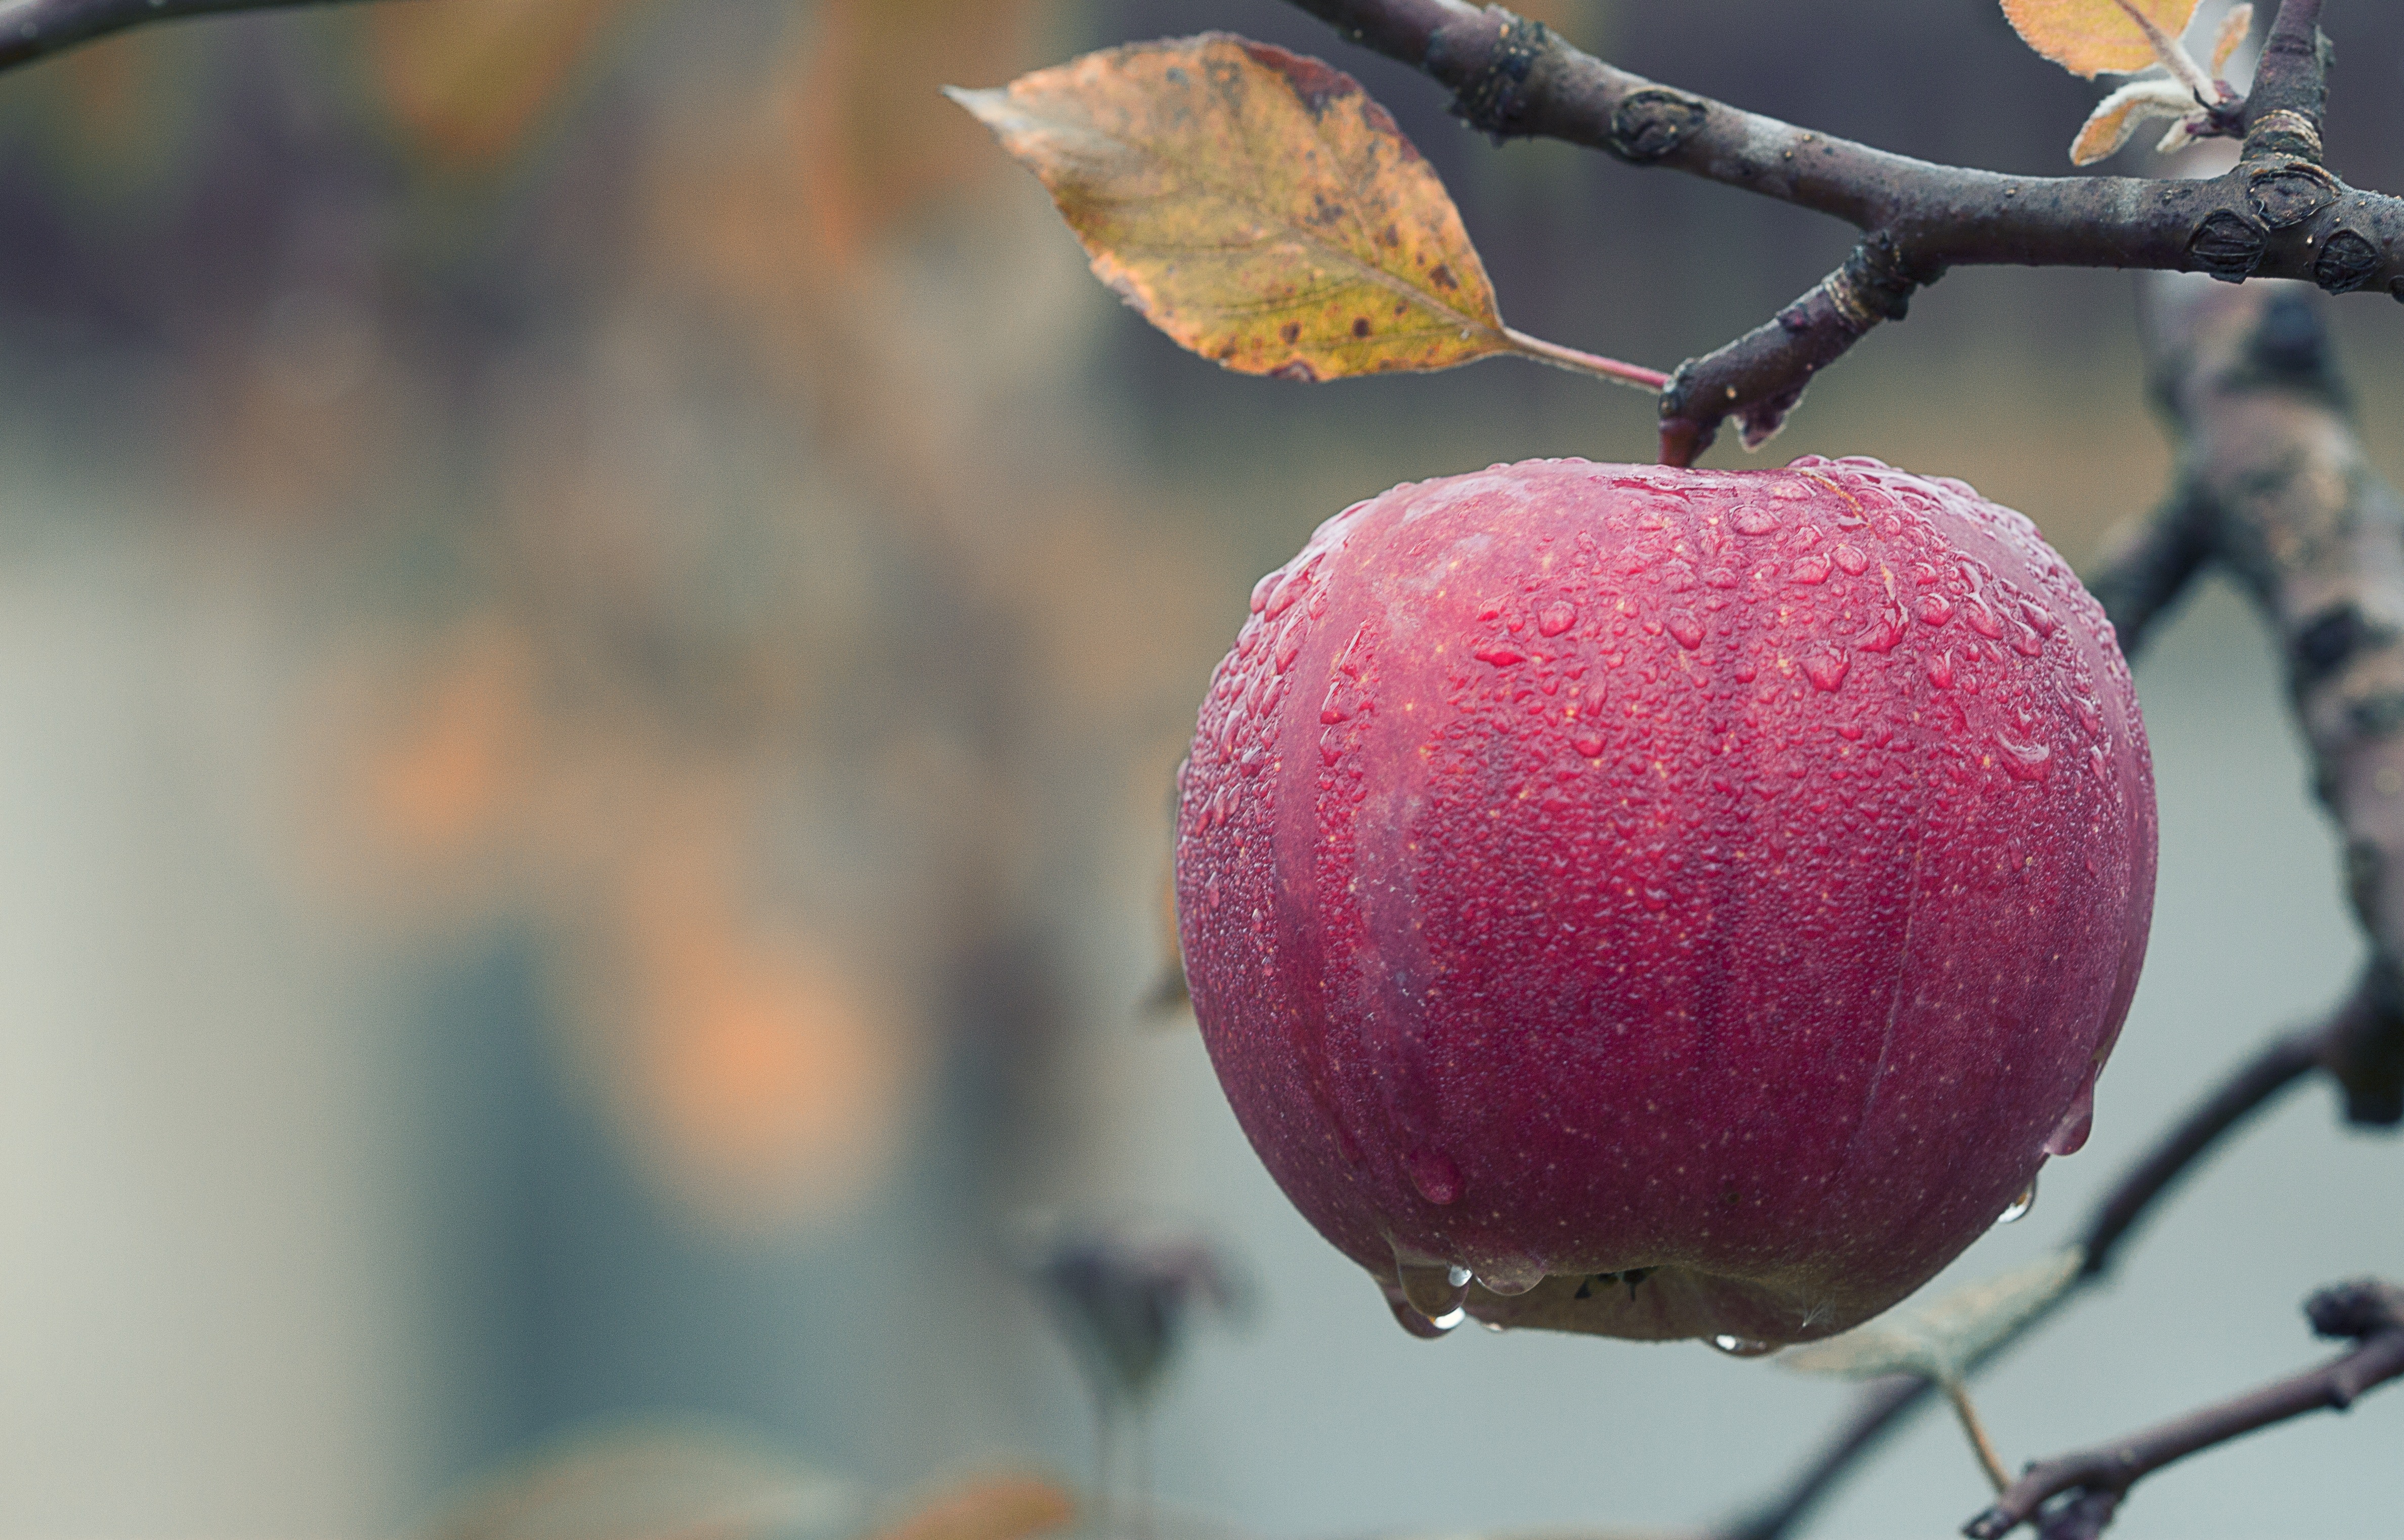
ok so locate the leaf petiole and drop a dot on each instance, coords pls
(1635, 376)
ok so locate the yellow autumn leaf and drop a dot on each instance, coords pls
(2092, 37)
(1258, 207)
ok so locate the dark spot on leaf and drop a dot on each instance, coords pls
(1360, 326)
(1391, 236)
(1289, 332)
(1313, 83)
(1441, 277)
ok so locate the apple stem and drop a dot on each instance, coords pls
(1959, 1394)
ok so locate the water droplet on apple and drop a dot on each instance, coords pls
(1744, 1347)
(1435, 1176)
(1556, 618)
(2017, 1209)
(1511, 1277)
(1755, 521)
(1827, 669)
(1589, 746)
(1688, 630)
(2024, 762)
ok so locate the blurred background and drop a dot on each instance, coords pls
(596, 616)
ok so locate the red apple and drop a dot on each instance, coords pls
(1691, 903)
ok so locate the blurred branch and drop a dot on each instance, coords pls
(34, 30)
(2370, 1313)
(2276, 213)
(2275, 486)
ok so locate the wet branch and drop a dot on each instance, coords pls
(34, 30)
(2090, 1483)
(2278, 212)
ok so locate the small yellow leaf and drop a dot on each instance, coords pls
(2235, 28)
(2092, 37)
(1255, 204)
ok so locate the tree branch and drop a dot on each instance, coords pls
(2277, 214)
(34, 30)
(2370, 1313)
(2275, 486)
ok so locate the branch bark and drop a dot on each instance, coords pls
(2276, 213)
(34, 30)
(2370, 1313)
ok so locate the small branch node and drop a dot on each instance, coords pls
(1494, 99)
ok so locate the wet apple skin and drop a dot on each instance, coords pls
(1735, 874)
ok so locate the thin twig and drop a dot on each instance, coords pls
(2370, 1313)
(34, 30)
(2277, 214)
(1967, 1413)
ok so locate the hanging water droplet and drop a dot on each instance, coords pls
(2069, 1135)
(1416, 1325)
(1494, 1325)
(1448, 1319)
(1432, 1288)
(1744, 1347)
(2019, 1207)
